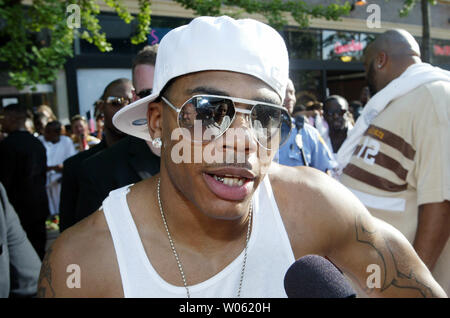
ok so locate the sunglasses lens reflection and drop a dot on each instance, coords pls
(214, 115)
(118, 101)
(271, 125)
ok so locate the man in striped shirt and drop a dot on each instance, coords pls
(400, 169)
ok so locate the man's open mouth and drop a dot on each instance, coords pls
(230, 184)
(231, 181)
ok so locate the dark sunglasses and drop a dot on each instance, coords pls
(118, 101)
(270, 123)
(340, 112)
(144, 93)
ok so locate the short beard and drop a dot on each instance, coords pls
(371, 79)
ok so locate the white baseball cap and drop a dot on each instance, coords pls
(211, 43)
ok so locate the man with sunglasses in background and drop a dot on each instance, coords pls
(129, 160)
(231, 226)
(336, 114)
(116, 95)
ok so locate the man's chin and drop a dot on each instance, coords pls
(290, 108)
(226, 210)
(372, 90)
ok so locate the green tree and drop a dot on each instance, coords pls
(36, 41)
(408, 5)
(275, 11)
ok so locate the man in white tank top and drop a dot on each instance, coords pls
(221, 219)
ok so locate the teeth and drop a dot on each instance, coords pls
(230, 181)
(218, 178)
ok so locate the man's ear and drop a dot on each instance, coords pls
(381, 60)
(154, 119)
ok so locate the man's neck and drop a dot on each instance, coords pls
(337, 137)
(401, 66)
(111, 138)
(55, 141)
(338, 132)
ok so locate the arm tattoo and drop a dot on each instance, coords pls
(46, 274)
(392, 274)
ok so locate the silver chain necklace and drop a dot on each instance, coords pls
(172, 246)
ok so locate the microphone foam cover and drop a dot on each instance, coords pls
(312, 276)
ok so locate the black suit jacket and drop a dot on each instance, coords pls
(70, 185)
(23, 167)
(128, 161)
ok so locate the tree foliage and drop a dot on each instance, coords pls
(36, 40)
(408, 5)
(275, 11)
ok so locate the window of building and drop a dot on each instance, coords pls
(119, 34)
(303, 44)
(308, 85)
(440, 52)
(344, 46)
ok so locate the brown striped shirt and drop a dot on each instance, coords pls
(403, 161)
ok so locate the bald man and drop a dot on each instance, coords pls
(388, 57)
(400, 168)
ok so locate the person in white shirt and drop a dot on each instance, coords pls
(59, 148)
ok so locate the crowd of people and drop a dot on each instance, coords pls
(319, 130)
(105, 186)
(41, 159)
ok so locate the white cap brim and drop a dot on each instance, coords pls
(211, 43)
(132, 119)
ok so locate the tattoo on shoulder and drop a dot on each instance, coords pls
(393, 276)
(45, 288)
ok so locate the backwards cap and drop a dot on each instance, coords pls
(211, 43)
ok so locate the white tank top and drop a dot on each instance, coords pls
(269, 255)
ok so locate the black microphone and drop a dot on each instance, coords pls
(312, 276)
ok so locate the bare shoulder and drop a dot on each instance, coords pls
(322, 217)
(312, 190)
(81, 262)
(317, 210)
